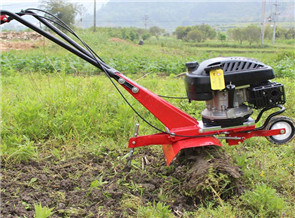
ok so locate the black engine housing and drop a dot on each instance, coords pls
(237, 70)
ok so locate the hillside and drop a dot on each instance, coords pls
(171, 14)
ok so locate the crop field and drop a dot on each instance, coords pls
(65, 130)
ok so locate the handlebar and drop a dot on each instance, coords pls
(72, 46)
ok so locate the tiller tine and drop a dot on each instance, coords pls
(171, 150)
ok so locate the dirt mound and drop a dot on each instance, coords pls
(32, 36)
(94, 185)
(118, 40)
(19, 40)
(210, 175)
(6, 46)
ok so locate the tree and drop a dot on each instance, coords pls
(63, 10)
(290, 34)
(237, 34)
(268, 32)
(281, 32)
(143, 33)
(145, 36)
(221, 36)
(156, 31)
(195, 35)
(252, 33)
(182, 31)
(207, 31)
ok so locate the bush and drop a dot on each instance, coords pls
(195, 33)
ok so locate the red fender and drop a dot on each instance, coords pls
(171, 150)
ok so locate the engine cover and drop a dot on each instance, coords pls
(237, 70)
(247, 86)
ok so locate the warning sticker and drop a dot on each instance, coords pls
(217, 79)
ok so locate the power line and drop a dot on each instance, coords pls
(262, 20)
(145, 20)
(94, 17)
(274, 22)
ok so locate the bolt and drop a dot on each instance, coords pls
(121, 81)
(133, 142)
(282, 131)
(135, 90)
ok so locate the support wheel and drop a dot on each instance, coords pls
(281, 122)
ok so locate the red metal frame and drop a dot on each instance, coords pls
(184, 130)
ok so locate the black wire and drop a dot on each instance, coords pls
(46, 18)
(65, 26)
(93, 54)
(173, 97)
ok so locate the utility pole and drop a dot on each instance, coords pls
(145, 20)
(94, 19)
(262, 20)
(274, 22)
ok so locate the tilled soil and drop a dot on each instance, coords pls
(19, 45)
(19, 40)
(33, 36)
(100, 185)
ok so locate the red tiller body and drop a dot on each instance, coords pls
(184, 130)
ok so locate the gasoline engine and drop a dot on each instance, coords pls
(232, 87)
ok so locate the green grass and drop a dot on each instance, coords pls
(166, 56)
(71, 110)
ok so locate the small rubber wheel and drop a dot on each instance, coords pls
(278, 123)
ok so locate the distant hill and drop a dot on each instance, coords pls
(171, 14)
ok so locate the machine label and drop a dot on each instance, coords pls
(217, 79)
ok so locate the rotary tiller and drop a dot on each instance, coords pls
(231, 86)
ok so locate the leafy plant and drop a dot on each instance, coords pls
(42, 212)
(263, 201)
(23, 152)
(96, 184)
(154, 210)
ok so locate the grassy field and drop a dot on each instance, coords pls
(65, 130)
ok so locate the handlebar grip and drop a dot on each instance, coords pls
(3, 19)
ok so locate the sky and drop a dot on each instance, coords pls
(17, 5)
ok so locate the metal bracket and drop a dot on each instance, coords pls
(132, 150)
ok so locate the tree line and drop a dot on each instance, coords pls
(250, 33)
